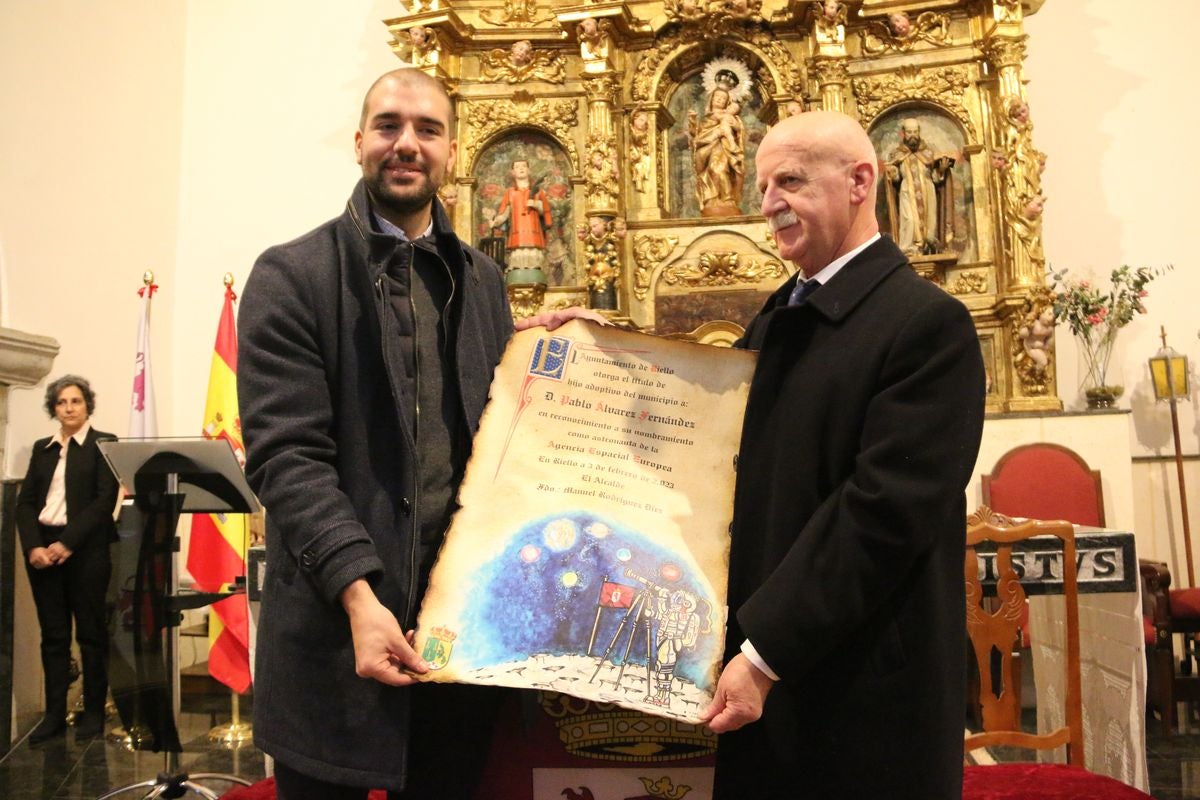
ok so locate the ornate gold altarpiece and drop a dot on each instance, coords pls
(605, 102)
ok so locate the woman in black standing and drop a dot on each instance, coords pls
(64, 516)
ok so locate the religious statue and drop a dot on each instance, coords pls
(718, 141)
(424, 48)
(1021, 180)
(601, 255)
(602, 179)
(524, 212)
(639, 149)
(595, 37)
(919, 193)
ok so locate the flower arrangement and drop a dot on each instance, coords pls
(1095, 317)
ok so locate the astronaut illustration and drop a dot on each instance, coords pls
(678, 629)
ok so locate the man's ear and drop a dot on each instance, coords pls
(358, 137)
(862, 181)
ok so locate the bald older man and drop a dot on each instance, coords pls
(845, 673)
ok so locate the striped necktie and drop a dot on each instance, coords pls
(802, 291)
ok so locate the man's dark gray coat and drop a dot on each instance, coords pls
(330, 453)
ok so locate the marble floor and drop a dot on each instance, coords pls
(66, 769)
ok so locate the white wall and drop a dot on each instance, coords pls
(273, 90)
(1111, 96)
(1111, 106)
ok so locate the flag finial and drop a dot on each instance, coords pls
(228, 280)
(148, 277)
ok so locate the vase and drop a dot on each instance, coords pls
(1100, 387)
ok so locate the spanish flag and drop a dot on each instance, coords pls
(217, 551)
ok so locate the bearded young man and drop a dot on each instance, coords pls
(367, 348)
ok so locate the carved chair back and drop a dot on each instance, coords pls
(992, 632)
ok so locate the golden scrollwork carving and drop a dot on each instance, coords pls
(712, 14)
(945, 86)
(1032, 334)
(781, 59)
(648, 253)
(974, 281)
(486, 117)
(522, 63)
(525, 299)
(899, 34)
(521, 11)
(724, 269)
(643, 74)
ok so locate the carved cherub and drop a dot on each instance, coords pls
(424, 47)
(521, 53)
(595, 37)
(520, 62)
(900, 32)
(1035, 340)
(900, 24)
(830, 20)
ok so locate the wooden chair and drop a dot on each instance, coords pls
(1041, 481)
(991, 633)
(1169, 613)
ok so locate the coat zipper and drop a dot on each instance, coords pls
(383, 309)
(416, 533)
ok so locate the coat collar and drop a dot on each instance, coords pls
(380, 246)
(850, 286)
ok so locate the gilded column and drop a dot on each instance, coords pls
(1019, 163)
(601, 171)
(832, 76)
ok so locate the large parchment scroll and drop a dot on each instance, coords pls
(591, 550)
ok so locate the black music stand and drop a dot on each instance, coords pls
(168, 477)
